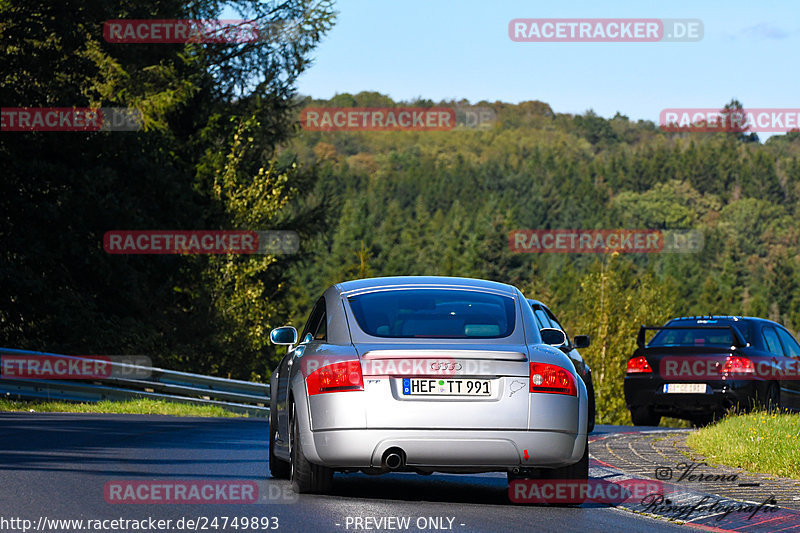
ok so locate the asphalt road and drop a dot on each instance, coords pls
(61, 467)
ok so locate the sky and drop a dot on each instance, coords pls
(441, 50)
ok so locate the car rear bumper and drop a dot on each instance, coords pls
(492, 450)
(723, 395)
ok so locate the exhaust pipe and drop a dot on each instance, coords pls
(394, 459)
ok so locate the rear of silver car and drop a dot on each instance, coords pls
(489, 400)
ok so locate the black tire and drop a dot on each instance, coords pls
(278, 468)
(514, 477)
(590, 392)
(579, 470)
(700, 421)
(772, 398)
(532, 473)
(644, 416)
(306, 476)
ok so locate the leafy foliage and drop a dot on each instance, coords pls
(214, 115)
(443, 203)
(221, 149)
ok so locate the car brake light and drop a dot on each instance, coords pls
(337, 377)
(552, 379)
(638, 365)
(738, 365)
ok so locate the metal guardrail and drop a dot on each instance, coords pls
(124, 381)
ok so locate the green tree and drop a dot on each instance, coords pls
(614, 300)
(62, 191)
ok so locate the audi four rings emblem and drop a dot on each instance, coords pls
(445, 365)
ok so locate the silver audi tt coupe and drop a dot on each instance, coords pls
(424, 374)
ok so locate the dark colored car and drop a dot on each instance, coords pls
(546, 319)
(697, 368)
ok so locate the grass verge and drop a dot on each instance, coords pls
(139, 407)
(758, 442)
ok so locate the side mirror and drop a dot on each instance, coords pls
(285, 335)
(581, 341)
(553, 337)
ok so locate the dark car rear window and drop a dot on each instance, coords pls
(435, 313)
(707, 333)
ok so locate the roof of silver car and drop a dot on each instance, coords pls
(423, 281)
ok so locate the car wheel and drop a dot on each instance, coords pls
(528, 473)
(700, 421)
(644, 416)
(579, 470)
(590, 391)
(306, 476)
(772, 398)
(278, 468)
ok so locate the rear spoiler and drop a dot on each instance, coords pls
(738, 340)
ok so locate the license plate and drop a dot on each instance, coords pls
(684, 388)
(446, 387)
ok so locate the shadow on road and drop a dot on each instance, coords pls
(97, 444)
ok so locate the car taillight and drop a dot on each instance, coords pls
(552, 379)
(738, 365)
(638, 365)
(337, 377)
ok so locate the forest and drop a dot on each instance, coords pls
(222, 147)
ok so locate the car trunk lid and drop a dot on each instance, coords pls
(435, 385)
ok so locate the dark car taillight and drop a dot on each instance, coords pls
(738, 365)
(552, 379)
(337, 377)
(638, 365)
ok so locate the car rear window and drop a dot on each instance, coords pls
(434, 313)
(707, 333)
